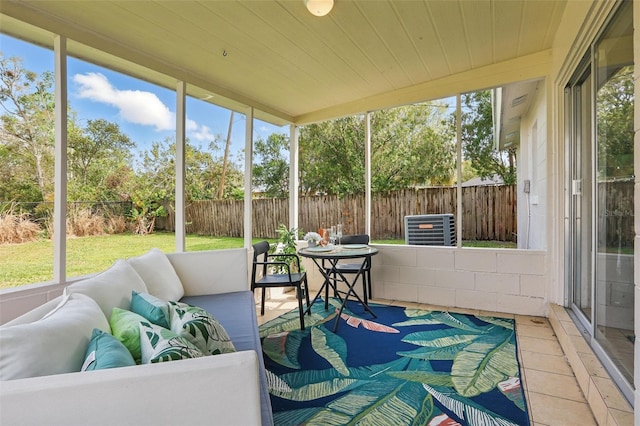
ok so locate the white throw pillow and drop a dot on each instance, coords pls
(55, 344)
(111, 288)
(159, 344)
(158, 274)
(200, 328)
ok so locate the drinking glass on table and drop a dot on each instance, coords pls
(332, 235)
(339, 232)
(325, 237)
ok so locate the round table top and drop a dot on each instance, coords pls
(345, 251)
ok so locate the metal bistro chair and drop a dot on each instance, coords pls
(270, 280)
(354, 268)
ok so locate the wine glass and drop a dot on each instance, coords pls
(332, 235)
(339, 232)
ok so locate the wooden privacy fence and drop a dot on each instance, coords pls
(615, 214)
(489, 213)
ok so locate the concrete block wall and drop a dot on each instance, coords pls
(499, 280)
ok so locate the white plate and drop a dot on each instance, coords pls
(354, 246)
(319, 249)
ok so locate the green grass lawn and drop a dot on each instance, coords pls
(33, 262)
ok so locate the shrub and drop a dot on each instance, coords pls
(286, 245)
(116, 225)
(17, 228)
(82, 223)
(143, 216)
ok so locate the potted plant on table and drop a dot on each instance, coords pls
(312, 238)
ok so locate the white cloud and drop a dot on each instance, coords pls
(198, 132)
(134, 106)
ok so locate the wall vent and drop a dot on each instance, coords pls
(517, 101)
(430, 230)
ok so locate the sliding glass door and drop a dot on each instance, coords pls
(614, 103)
(581, 194)
(600, 103)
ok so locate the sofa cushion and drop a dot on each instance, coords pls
(200, 328)
(111, 288)
(236, 311)
(105, 351)
(125, 326)
(36, 313)
(160, 344)
(158, 275)
(152, 308)
(54, 344)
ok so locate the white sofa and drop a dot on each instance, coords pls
(226, 389)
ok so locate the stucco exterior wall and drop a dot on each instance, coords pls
(532, 166)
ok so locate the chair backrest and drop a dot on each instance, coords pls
(355, 239)
(259, 249)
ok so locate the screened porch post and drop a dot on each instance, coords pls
(248, 170)
(458, 219)
(294, 184)
(367, 173)
(60, 172)
(180, 224)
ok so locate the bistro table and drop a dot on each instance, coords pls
(326, 259)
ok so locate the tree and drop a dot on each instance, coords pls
(225, 159)
(478, 142)
(156, 173)
(98, 155)
(468, 172)
(27, 128)
(332, 157)
(614, 112)
(410, 145)
(271, 165)
(17, 182)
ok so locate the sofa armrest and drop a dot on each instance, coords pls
(219, 389)
(212, 271)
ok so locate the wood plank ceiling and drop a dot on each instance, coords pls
(285, 62)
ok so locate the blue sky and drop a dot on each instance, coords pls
(145, 112)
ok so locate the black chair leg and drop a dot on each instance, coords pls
(306, 294)
(262, 301)
(326, 295)
(300, 310)
(364, 287)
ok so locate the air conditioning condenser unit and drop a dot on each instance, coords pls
(430, 230)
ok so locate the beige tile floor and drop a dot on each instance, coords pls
(553, 395)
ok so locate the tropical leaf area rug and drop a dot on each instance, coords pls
(405, 367)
